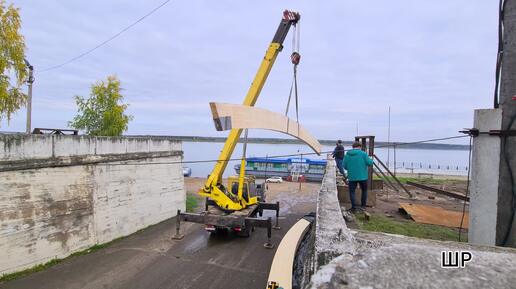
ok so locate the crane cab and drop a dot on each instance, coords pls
(252, 192)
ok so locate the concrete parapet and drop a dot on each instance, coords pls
(332, 237)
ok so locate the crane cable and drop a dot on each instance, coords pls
(295, 57)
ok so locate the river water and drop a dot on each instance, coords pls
(445, 162)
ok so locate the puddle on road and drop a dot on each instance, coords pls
(199, 242)
(203, 240)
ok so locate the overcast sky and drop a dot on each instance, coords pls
(431, 61)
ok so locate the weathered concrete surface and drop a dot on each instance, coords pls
(51, 212)
(375, 260)
(391, 261)
(150, 259)
(485, 161)
(332, 237)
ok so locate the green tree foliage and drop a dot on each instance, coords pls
(12, 54)
(102, 114)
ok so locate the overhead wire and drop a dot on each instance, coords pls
(278, 156)
(107, 40)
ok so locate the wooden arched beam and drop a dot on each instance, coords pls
(228, 116)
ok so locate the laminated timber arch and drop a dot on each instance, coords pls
(228, 116)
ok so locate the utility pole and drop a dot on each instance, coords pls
(506, 223)
(492, 190)
(30, 81)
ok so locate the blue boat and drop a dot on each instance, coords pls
(312, 170)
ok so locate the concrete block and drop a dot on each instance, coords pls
(343, 195)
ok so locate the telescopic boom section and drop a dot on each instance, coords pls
(215, 178)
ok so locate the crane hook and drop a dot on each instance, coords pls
(295, 57)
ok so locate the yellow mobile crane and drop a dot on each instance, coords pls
(228, 198)
(238, 204)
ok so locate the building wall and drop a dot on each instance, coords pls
(63, 194)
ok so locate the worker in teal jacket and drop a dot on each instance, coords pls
(356, 162)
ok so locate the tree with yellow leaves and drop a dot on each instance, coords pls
(12, 55)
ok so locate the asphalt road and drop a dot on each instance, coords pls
(150, 259)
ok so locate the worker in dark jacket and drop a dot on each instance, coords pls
(338, 154)
(356, 163)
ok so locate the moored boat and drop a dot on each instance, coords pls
(312, 170)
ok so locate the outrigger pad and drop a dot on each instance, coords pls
(228, 116)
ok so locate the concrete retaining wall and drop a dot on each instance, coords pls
(63, 194)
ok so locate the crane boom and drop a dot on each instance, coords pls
(213, 187)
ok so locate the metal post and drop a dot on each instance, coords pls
(30, 81)
(266, 164)
(301, 170)
(389, 139)
(394, 160)
(277, 226)
(370, 169)
(178, 236)
(269, 244)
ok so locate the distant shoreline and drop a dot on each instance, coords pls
(260, 140)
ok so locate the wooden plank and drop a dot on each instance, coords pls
(439, 191)
(283, 262)
(228, 116)
(435, 215)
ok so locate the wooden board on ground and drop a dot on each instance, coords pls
(434, 215)
(228, 116)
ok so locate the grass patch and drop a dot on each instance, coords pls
(191, 203)
(37, 268)
(412, 229)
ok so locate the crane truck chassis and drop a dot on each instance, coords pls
(241, 222)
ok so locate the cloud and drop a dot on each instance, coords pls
(431, 61)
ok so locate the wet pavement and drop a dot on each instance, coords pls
(150, 259)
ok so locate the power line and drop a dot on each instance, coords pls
(276, 156)
(107, 40)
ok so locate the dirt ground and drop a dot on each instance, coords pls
(387, 200)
